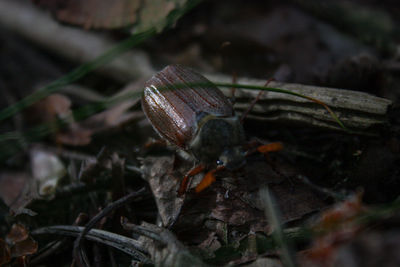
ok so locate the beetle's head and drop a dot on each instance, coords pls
(232, 158)
(220, 140)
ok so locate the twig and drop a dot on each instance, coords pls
(115, 205)
(145, 231)
(125, 244)
(164, 248)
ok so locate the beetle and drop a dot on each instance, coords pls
(191, 113)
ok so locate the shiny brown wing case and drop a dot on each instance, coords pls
(173, 102)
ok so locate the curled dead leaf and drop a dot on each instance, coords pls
(19, 244)
(17, 234)
(103, 14)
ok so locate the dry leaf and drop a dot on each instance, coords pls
(74, 136)
(20, 242)
(16, 192)
(94, 13)
(17, 234)
(23, 248)
(80, 133)
(228, 203)
(12, 186)
(158, 172)
(103, 14)
(52, 107)
(5, 254)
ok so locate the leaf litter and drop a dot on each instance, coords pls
(226, 223)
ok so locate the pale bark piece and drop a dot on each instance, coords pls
(360, 112)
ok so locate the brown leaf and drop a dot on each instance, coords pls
(94, 13)
(12, 186)
(103, 14)
(5, 254)
(23, 248)
(21, 243)
(49, 109)
(75, 136)
(18, 190)
(164, 183)
(17, 234)
(232, 202)
(80, 134)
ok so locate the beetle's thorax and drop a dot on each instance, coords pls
(216, 137)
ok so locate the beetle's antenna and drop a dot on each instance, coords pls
(255, 100)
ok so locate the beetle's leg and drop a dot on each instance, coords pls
(253, 103)
(208, 179)
(271, 147)
(264, 149)
(184, 184)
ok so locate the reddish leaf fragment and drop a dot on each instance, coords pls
(336, 227)
(17, 234)
(18, 245)
(24, 248)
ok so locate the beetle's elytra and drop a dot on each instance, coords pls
(195, 116)
(191, 113)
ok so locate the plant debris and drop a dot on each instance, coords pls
(83, 181)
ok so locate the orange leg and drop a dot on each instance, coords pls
(195, 170)
(272, 147)
(264, 149)
(208, 179)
